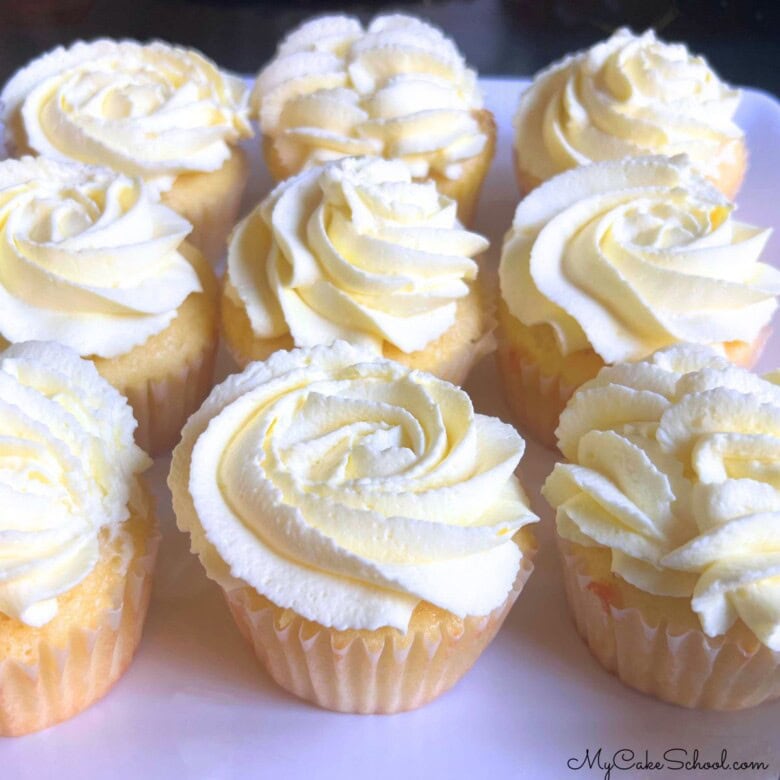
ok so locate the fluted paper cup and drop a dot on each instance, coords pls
(381, 671)
(664, 657)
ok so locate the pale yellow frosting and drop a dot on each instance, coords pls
(67, 466)
(626, 257)
(399, 88)
(150, 110)
(88, 257)
(348, 488)
(353, 250)
(626, 97)
(674, 464)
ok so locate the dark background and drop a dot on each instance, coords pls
(740, 38)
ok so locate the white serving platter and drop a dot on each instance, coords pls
(195, 704)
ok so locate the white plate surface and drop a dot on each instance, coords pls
(195, 704)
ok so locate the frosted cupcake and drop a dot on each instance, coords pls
(357, 250)
(609, 262)
(91, 259)
(668, 513)
(78, 537)
(161, 112)
(363, 521)
(629, 96)
(398, 89)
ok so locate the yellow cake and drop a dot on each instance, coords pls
(667, 516)
(91, 259)
(538, 379)
(210, 202)
(609, 262)
(164, 113)
(358, 250)
(167, 377)
(397, 88)
(629, 96)
(73, 595)
(368, 564)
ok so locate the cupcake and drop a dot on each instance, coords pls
(609, 262)
(398, 89)
(90, 258)
(629, 96)
(78, 537)
(164, 113)
(364, 523)
(357, 250)
(668, 516)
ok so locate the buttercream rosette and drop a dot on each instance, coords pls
(90, 258)
(151, 110)
(357, 250)
(77, 538)
(609, 262)
(398, 88)
(163, 113)
(629, 96)
(669, 514)
(343, 494)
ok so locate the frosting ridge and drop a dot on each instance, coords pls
(335, 90)
(88, 257)
(630, 256)
(67, 466)
(349, 488)
(150, 110)
(628, 96)
(354, 250)
(673, 465)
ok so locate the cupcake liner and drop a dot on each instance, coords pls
(535, 399)
(678, 665)
(162, 405)
(364, 672)
(64, 680)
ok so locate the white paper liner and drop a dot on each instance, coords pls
(684, 667)
(162, 406)
(66, 680)
(364, 672)
(535, 399)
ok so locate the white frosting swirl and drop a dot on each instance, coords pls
(88, 257)
(626, 97)
(152, 110)
(67, 463)
(348, 488)
(629, 256)
(354, 250)
(675, 466)
(400, 88)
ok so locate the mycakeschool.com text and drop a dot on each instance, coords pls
(602, 762)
